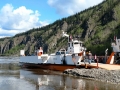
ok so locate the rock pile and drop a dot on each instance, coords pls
(112, 76)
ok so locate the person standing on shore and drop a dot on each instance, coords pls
(95, 58)
(89, 57)
(84, 56)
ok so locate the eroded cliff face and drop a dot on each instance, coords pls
(51, 40)
(9, 43)
(33, 41)
(95, 26)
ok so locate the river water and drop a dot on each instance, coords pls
(12, 77)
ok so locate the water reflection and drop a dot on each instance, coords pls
(48, 80)
(14, 83)
(12, 77)
(55, 81)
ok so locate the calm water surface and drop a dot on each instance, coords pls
(12, 77)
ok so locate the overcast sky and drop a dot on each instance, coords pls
(21, 15)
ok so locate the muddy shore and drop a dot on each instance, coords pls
(112, 76)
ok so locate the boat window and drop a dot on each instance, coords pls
(76, 43)
(62, 52)
(68, 44)
(57, 53)
(72, 44)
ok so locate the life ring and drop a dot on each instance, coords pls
(39, 53)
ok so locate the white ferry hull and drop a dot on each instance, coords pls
(53, 62)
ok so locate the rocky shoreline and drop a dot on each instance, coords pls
(112, 76)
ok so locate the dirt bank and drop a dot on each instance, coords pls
(112, 76)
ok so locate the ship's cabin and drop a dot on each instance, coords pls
(75, 46)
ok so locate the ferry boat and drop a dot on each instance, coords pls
(61, 60)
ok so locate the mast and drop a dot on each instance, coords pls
(69, 36)
(65, 35)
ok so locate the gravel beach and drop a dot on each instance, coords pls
(112, 76)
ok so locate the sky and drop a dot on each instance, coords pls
(17, 16)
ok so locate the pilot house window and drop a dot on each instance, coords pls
(68, 44)
(72, 44)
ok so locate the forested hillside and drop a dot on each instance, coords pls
(95, 26)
